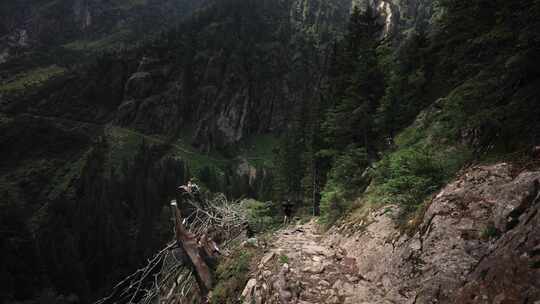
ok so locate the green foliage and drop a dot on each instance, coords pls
(289, 166)
(262, 216)
(120, 39)
(232, 276)
(405, 81)
(333, 203)
(467, 89)
(357, 87)
(349, 168)
(349, 125)
(283, 259)
(207, 169)
(490, 232)
(407, 176)
(31, 79)
(347, 179)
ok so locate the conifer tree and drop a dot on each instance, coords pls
(359, 88)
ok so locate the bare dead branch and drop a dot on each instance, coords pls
(170, 278)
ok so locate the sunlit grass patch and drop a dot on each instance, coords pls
(31, 79)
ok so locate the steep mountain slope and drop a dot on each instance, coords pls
(476, 243)
(27, 26)
(104, 119)
(453, 93)
(96, 151)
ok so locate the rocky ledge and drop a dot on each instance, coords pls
(478, 242)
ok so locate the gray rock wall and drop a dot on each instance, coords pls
(478, 242)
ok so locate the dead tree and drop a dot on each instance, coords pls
(169, 277)
(196, 250)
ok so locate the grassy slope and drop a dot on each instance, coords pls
(257, 150)
(30, 79)
(436, 136)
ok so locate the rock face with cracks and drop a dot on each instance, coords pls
(478, 242)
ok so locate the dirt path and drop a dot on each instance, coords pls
(299, 268)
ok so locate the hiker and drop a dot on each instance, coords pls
(287, 206)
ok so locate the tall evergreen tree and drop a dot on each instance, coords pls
(358, 89)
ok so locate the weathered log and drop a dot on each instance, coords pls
(194, 247)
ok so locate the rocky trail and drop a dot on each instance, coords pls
(300, 268)
(477, 242)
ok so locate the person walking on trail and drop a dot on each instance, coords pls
(287, 206)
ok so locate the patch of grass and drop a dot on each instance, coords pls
(197, 160)
(427, 154)
(407, 176)
(283, 259)
(125, 142)
(232, 276)
(490, 232)
(31, 79)
(66, 175)
(118, 39)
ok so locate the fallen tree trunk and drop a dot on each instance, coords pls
(194, 248)
(169, 277)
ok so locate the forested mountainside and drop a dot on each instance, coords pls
(342, 106)
(48, 29)
(96, 151)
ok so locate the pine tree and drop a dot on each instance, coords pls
(358, 89)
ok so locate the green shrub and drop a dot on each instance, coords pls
(349, 167)
(232, 276)
(333, 204)
(346, 180)
(407, 176)
(262, 216)
(490, 232)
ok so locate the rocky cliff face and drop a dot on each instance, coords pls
(478, 242)
(401, 16)
(230, 89)
(240, 89)
(217, 91)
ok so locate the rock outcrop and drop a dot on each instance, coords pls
(400, 17)
(478, 242)
(475, 244)
(231, 89)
